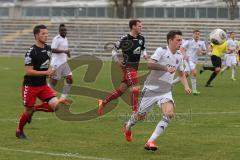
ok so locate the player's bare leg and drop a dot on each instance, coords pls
(213, 76)
(168, 112)
(52, 82)
(67, 86)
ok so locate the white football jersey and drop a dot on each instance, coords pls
(161, 81)
(232, 44)
(192, 47)
(59, 42)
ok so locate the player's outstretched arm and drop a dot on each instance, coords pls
(184, 82)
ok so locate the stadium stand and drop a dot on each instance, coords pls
(88, 36)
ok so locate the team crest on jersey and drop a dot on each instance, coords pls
(140, 41)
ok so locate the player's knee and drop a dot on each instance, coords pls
(69, 79)
(29, 111)
(169, 115)
(217, 70)
(53, 103)
(135, 89)
(194, 74)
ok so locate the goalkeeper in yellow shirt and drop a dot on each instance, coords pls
(217, 52)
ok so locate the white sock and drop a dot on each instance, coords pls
(176, 80)
(66, 89)
(64, 96)
(132, 121)
(161, 126)
(194, 83)
(233, 72)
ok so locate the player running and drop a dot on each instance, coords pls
(132, 46)
(157, 87)
(217, 51)
(59, 61)
(191, 49)
(231, 55)
(37, 61)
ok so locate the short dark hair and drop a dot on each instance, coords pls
(231, 32)
(133, 22)
(37, 29)
(171, 34)
(62, 25)
(196, 30)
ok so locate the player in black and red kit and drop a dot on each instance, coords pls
(37, 60)
(132, 46)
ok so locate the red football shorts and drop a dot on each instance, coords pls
(31, 93)
(130, 76)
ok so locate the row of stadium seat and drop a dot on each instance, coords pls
(88, 36)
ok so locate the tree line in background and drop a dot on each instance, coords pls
(232, 6)
(124, 8)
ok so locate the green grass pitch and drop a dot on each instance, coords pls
(206, 127)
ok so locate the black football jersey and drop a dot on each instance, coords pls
(39, 58)
(132, 48)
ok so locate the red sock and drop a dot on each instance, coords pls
(43, 107)
(115, 94)
(23, 120)
(134, 99)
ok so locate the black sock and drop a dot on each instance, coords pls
(213, 75)
(209, 68)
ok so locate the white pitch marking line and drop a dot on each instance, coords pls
(72, 155)
(121, 115)
(5, 68)
(16, 120)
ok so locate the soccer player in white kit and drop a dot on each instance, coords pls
(231, 55)
(59, 63)
(157, 87)
(191, 49)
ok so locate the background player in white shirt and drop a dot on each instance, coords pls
(231, 56)
(157, 87)
(191, 49)
(59, 61)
